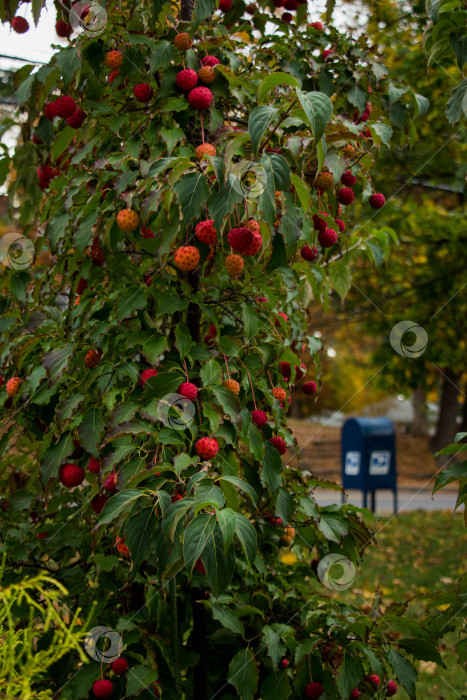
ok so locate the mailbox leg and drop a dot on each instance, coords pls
(372, 501)
(365, 499)
(395, 501)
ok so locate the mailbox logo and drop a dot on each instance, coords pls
(352, 463)
(379, 463)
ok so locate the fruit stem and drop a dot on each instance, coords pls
(202, 126)
(186, 371)
(227, 366)
(251, 384)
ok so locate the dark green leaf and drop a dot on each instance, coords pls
(243, 674)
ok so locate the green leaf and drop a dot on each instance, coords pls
(271, 472)
(279, 254)
(227, 401)
(241, 484)
(276, 686)
(210, 373)
(55, 456)
(256, 441)
(68, 62)
(357, 97)
(259, 120)
(280, 169)
(159, 386)
(90, 431)
(56, 361)
(243, 674)
(139, 529)
(195, 538)
(424, 649)
(227, 523)
(350, 675)
(23, 93)
(457, 103)
(62, 142)
(162, 55)
(227, 618)
(285, 505)
(333, 526)
(203, 9)
(274, 79)
(341, 278)
(250, 320)
(68, 406)
(192, 192)
(218, 563)
(121, 502)
(246, 533)
(129, 300)
(381, 133)
(318, 109)
(275, 646)
(183, 341)
(155, 347)
(404, 671)
(302, 191)
(140, 678)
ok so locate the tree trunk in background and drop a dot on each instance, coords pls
(446, 427)
(419, 423)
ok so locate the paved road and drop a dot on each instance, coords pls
(409, 499)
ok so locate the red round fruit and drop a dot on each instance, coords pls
(284, 663)
(314, 691)
(200, 98)
(327, 238)
(205, 232)
(110, 484)
(283, 316)
(278, 3)
(285, 370)
(92, 359)
(225, 5)
(98, 502)
(340, 224)
(355, 694)
(319, 224)
(377, 200)
(300, 371)
(290, 4)
(146, 232)
(143, 92)
(49, 110)
(207, 448)
(94, 465)
(188, 390)
(76, 119)
(259, 418)
(374, 680)
(120, 666)
(345, 196)
(327, 55)
(64, 106)
(103, 689)
(186, 79)
(114, 74)
(348, 179)
(199, 566)
(19, 25)
(316, 25)
(309, 254)
(309, 388)
(391, 689)
(146, 374)
(279, 444)
(63, 29)
(240, 238)
(71, 475)
(286, 17)
(255, 246)
(210, 61)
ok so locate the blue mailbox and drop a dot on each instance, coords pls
(369, 457)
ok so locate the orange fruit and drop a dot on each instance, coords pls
(207, 75)
(348, 150)
(206, 149)
(234, 265)
(232, 386)
(114, 59)
(325, 181)
(279, 394)
(186, 258)
(183, 42)
(12, 386)
(127, 220)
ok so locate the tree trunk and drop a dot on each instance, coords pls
(463, 428)
(186, 10)
(446, 427)
(419, 423)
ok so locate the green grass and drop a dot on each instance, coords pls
(417, 553)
